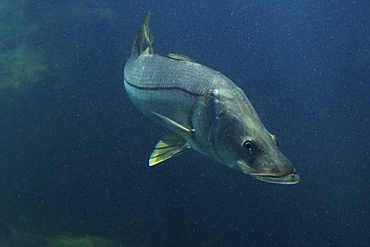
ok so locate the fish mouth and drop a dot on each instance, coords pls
(291, 178)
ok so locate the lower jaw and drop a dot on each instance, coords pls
(287, 179)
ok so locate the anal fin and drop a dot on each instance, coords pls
(168, 147)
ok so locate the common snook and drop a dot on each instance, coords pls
(204, 110)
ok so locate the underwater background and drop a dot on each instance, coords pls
(74, 150)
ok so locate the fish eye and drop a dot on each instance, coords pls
(248, 146)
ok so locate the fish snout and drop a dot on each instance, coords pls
(280, 172)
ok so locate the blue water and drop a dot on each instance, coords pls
(74, 150)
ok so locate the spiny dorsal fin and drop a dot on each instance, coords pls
(180, 57)
(145, 52)
(143, 35)
(148, 37)
(168, 147)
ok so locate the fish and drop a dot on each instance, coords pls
(204, 111)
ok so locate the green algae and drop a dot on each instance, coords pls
(86, 241)
(21, 65)
(21, 68)
(25, 239)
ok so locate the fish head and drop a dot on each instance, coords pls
(247, 146)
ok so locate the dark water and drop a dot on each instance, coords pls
(74, 150)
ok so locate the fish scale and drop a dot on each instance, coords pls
(154, 71)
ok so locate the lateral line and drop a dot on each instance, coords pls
(163, 88)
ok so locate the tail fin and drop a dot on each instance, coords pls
(143, 35)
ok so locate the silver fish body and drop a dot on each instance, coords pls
(205, 111)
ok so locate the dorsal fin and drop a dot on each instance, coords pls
(180, 57)
(142, 36)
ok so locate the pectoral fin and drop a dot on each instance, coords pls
(170, 146)
(170, 122)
